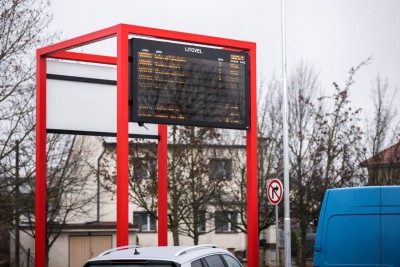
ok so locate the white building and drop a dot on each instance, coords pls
(86, 236)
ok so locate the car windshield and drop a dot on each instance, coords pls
(129, 265)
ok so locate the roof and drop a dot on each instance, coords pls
(389, 156)
(178, 254)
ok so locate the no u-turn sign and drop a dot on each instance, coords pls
(275, 191)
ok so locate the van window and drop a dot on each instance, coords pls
(357, 237)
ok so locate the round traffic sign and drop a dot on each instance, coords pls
(275, 191)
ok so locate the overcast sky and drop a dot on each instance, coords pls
(331, 35)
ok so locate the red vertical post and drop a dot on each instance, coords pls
(162, 186)
(252, 168)
(40, 197)
(122, 138)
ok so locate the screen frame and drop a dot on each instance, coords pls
(133, 90)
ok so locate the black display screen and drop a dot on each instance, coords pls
(175, 83)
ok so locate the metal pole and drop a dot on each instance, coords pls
(98, 181)
(277, 236)
(17, 199)
(285, 144)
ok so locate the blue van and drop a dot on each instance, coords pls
(359, 227)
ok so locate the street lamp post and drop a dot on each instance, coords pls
(285, 145)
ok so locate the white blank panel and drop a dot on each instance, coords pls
(85, 107)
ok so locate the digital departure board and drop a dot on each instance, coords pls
(185, 84)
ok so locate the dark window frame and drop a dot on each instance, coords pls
(143, 168)
(220, 169)
(203, 221)
(223, 221)
(151, 222)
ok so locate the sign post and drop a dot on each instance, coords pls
(276, 236)
(275, 193)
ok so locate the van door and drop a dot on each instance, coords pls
(350, 234)
(390, 226)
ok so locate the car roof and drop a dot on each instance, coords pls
(177, 254)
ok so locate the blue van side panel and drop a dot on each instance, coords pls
(355, 237)
(390, 226)
(350, 227)
(390, 239)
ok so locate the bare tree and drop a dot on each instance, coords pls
(382, 130)
(69, 195)
(190, 188)
(325, 145)
(232, 196)
(303, 88)
(270, 147)
(22, 29)
(23, 26)
(336, 143)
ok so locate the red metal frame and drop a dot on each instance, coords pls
(87, 57)
(252, 168)
(122, 138)
(122, 31)
(40, 197)
(162, 186)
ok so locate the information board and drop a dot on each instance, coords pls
(82, 99)
(186, 84)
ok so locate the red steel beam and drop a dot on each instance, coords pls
(85, 57)
(189, 37)
(252, 168)
(122, 138)
(79, 41)
(41, 187)
(40, 194)
(162, 185)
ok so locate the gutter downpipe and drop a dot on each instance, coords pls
(98, 181)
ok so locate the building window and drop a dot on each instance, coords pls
(144, 221)
(220, 169)
(225, 221)
(202, 221)
(144, 168)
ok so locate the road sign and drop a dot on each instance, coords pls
(275, 191)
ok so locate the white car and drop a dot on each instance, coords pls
(174, 256)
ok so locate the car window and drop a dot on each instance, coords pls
(231, 261)
(196, 264)
(214, 261)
